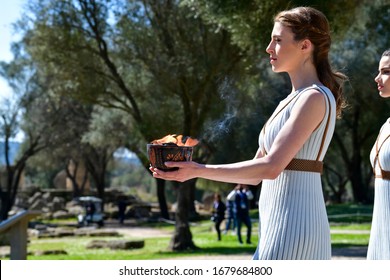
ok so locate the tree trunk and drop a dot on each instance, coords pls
(352, 160)
(97, 168)
(359, 189)
(5, 205)
(337, 185)
(182, 238)
(193, 215)
(161, 199)
(71, 175)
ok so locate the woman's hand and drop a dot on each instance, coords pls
(187, 170)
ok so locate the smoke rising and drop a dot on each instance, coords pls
(216, 129)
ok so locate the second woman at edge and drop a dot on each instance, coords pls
(292, 144)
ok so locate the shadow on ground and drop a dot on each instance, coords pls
(226, 251)
(341, 253)
(352, 252)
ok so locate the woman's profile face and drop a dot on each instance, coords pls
(284, 51)
(383, 77)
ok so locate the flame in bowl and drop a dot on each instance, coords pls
(179, 140)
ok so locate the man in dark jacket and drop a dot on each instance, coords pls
(241, 196)
(219, 209)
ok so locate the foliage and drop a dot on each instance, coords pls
(250, 21)
(132, 179)
(37, 128)
(128, 174)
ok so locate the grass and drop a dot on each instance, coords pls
(155, 248)
(355, 227)
(348, 240)
(350, 217)
(350, 213)
(342, 218)
(76, 250)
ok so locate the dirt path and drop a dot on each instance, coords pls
(143, 232)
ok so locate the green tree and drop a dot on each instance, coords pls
(28, 88)
(156, 67)
(359, 53)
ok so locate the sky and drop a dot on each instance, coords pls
(10, 12)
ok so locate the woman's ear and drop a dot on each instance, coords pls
(306, 45)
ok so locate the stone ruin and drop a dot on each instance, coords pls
(55, 204)
(58, 204)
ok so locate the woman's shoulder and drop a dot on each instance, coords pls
(386, 125)
(321, 90)
(314, 101)
(313, 94)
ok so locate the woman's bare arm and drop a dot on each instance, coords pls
(306, 115)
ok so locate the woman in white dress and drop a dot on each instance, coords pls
(379, 244)
(292, 143)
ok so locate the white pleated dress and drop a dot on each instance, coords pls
(292, 214)
(379, 244)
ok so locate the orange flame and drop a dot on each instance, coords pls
(179, 140)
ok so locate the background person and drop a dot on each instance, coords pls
(122, 206)
(241, 196)
(379, 244)
(231, 220)
(90, 209)
(219, 209)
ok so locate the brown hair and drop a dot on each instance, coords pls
(309, 23)
(386, 53)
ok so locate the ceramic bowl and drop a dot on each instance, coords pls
(160, 153)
